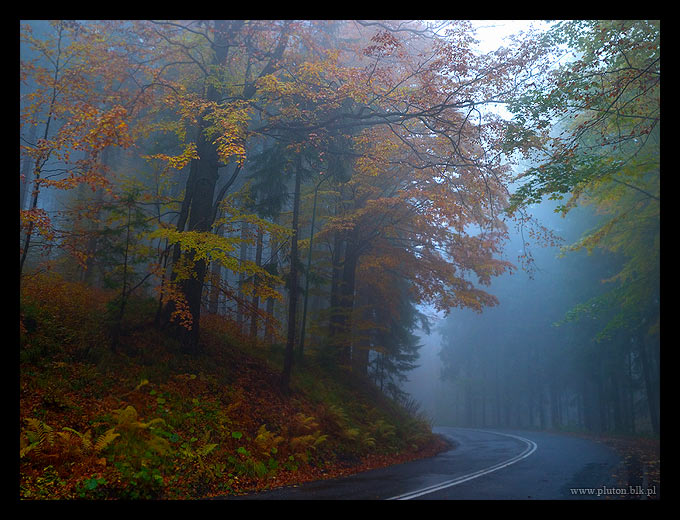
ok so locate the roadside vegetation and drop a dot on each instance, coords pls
(146, 421)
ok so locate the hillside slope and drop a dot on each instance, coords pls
(146, 421)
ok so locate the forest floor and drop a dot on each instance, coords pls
(146, 421)
(639, 473)
(640, 470)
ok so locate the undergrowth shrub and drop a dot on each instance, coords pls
(304, 436)
(39, 438)
(200, 406)
(59, 317)
(136, 449)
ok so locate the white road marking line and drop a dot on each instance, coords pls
(531, 447)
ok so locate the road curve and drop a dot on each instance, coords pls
(445, 484)
(482, 465)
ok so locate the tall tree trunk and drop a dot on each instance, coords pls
(199, 197)
(243, 256)
(336, 273)
(293, 289)
(200, 219)
(631, 391)
(42, 160)
(650, 383)
(617, 390)
(124, 292)
(163, 317)
(215, 275)
(555, 415)
(256, 300)
(269, 327)
(346, 305)
(26, 171)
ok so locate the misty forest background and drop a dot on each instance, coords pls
(478, 231)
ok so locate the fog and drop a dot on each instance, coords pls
(523, 363)
(572, 342)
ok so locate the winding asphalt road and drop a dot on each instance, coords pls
(482, 465)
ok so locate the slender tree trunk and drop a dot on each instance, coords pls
(26, 172)
(215, 275)
(168, 309)
(336, 272)
(555, 419)
(618, 389)
(269, 327)
(293, 290)
(346, 304)
(40, 162)
(497, 394)
(649, 381)
(631, 392)
(243, 255)
(124, 293)
(256, 300)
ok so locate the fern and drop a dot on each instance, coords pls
(319, 439)
(74, 443)
(383, 430)
(199, 455)
(302, 444)
(35, 436)
(367, 440)
(127, 419)
(105, 439)
(135, 430)
(350, 434)
(305, 423)
(338, 414)
(68, 441)
(341, 421)
(309, 436)
(267, 441)
(205, 450)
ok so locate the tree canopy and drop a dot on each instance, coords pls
(189, 160)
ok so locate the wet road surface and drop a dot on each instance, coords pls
(482, 465)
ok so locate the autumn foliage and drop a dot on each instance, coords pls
(98, 425)
(310, 189)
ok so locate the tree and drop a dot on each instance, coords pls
(607, 156)
(219, 117)
(393, 113)
(74, 91)
(419, 149)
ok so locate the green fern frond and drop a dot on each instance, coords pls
(350, 433)
(35, 436)
(338, 414)
(311, 441)
(306, 423)
(128, 419)
(157, 420)
(105, 439)
(39, 432)
(368, 441)
(320, 439)
(203, 451)
(86, 439)
(159, 444)
(125, 417)
(267, 441)
(142, 383)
